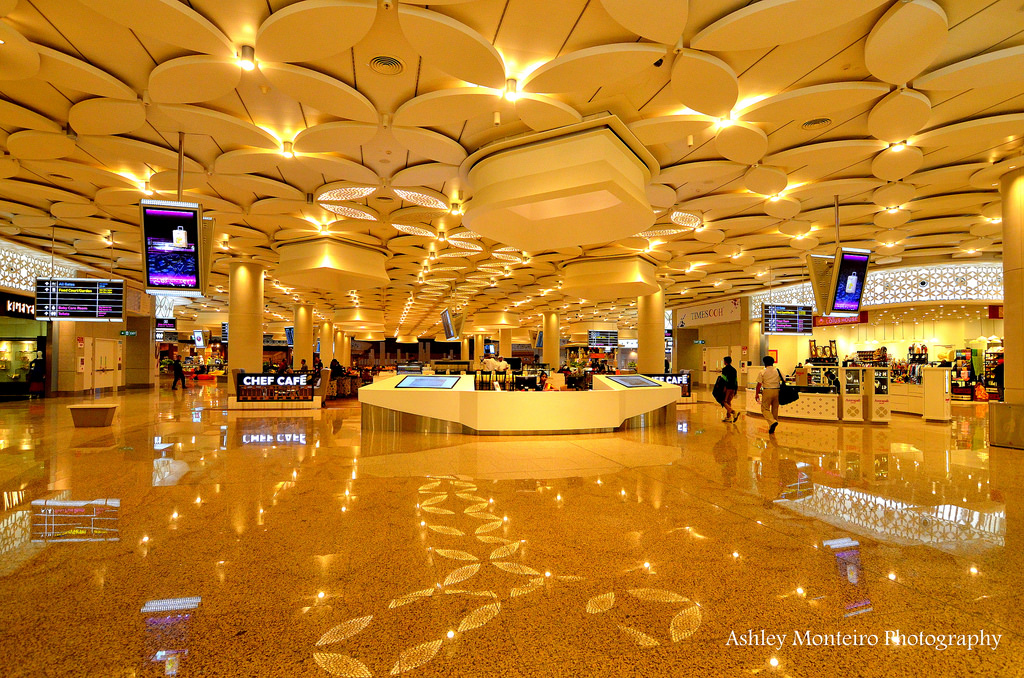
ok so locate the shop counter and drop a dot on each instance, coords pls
(812, 406)
(451, 405)
(907, 398)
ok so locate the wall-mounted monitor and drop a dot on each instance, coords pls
(171, 247)
(603, 338)
(427, 382)
(166, 324)
(81, 299)
(199, 338)
(635, 381)
(289, 336)
(848, 277)
(786, 319)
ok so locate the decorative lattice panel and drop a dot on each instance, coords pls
(19, 271)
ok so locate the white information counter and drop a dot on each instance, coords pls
(398, 404)
(812, 406)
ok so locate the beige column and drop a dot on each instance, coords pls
(245, 318)
(339, 341)
(303, 349)
(464, 353)
(1011, 189)
(344, 356)
(650, 326)
(478, 349)
(505, 342)
(552, 340)
(326, 342)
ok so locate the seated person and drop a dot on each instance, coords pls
(546, 384)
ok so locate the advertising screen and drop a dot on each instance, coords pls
(634, 381)
(784, 319)
(427, 382)
(166, 324)
(171, 250)
(447, 325)
(851, 270)
(80, 299)
(197, 336)
(289, 336)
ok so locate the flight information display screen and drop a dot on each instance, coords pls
(81, 299)
(170, 234)
(787, 319)
(603, 338)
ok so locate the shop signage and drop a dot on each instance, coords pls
(727, 311)
(17, 306)
(995, 312)
(834, 320)
(680, 380)
(274, 387)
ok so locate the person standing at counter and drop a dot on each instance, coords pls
(490, 364)
(501, 365)
(769, 381)
(732, 385)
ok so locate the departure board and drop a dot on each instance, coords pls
(603, 338)
(781, 319)
(81, 299)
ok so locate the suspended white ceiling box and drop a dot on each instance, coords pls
(581, 188)
(599, 279)
(331, 265)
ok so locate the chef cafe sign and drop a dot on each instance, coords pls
(727, 311)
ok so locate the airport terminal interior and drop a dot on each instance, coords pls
(511, 338)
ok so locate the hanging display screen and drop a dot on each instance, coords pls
(289, 335)
(223, 333)
(81, 299)
(171, 250)
(603, 338)
(783, 319)
(446, 324)
(166, 324)
(851, 270)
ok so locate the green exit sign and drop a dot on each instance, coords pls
(128, 333)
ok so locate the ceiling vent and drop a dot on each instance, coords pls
(386, 65)
(817, 123)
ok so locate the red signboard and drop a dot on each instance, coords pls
(832, 321)
(995, 312)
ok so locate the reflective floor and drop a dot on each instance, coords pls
(191, 541)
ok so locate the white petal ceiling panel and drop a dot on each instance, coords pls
(893, 194)
(660, 195)
(988, 177)
(334, 168)
(542, 113)
(447, 106)
(721, 205)
(766, 180)
(593, 67)
(452, 47)
(658, 20)
(1001, 67)
(704, 83)
(258, 186)
(62, 170)
(117, 197)
(776, 22)
(322, 92)
(7, 6)
(20, 58)
(783, 207)
(430, 145)
(979, 133)
(429, 174)
(167, 181)
(314, 29)
(67, 72)
(115, 151)
(335, 137)
(27, 191)
(742, 142)
(844, 188)
(193, 79)
(708, 172)
(899, 115)
(944, 176)
(73, 210)
(920, 23)
(814, 101)
(13, 116)
(107, 116)
(891, 218)
(9, 167)
(33, 145)
(897, 162)
(248, 160)
(170, 21)
(827, 156)
(669, 128)
(228, 130)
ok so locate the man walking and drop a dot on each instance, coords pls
(732, 385)
(769, 381)
(179, 374)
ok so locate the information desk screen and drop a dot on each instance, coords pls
(170, 233)
(851, 271)
(785, 319)
(166, 324)
(274, 387)
(427, 382)
(603, 339)
(634, 381)
(79, 299)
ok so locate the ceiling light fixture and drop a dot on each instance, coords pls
(725, 122)
(286, 150)
(511, 89)
(896, 148)
(146, 190)
(247, 58)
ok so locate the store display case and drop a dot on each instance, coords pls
(993, 356)
(937, 394)
(851, 380)
(877, 405)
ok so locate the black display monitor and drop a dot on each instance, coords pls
(848, 278)
(166, 324)
(171, 247)
(786, 319)
(223, 333)
(515, 364)
(81, 299)
(634, 381)
(447, 325)
(289, 336)
(427, 382)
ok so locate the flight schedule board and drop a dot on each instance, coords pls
(603, 338)
(80, 299)
(785, 319)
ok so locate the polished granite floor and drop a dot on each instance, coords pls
(238, 544)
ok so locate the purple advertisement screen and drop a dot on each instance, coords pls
(851, 272)
(172, 247)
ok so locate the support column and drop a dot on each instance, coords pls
(505, 342)
(339, 341)
(344, 356)
(326, 342)
(650, 313)
(245, 317)
(464, 353)
(1011, 189)
(552, 340)
(303, 349)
